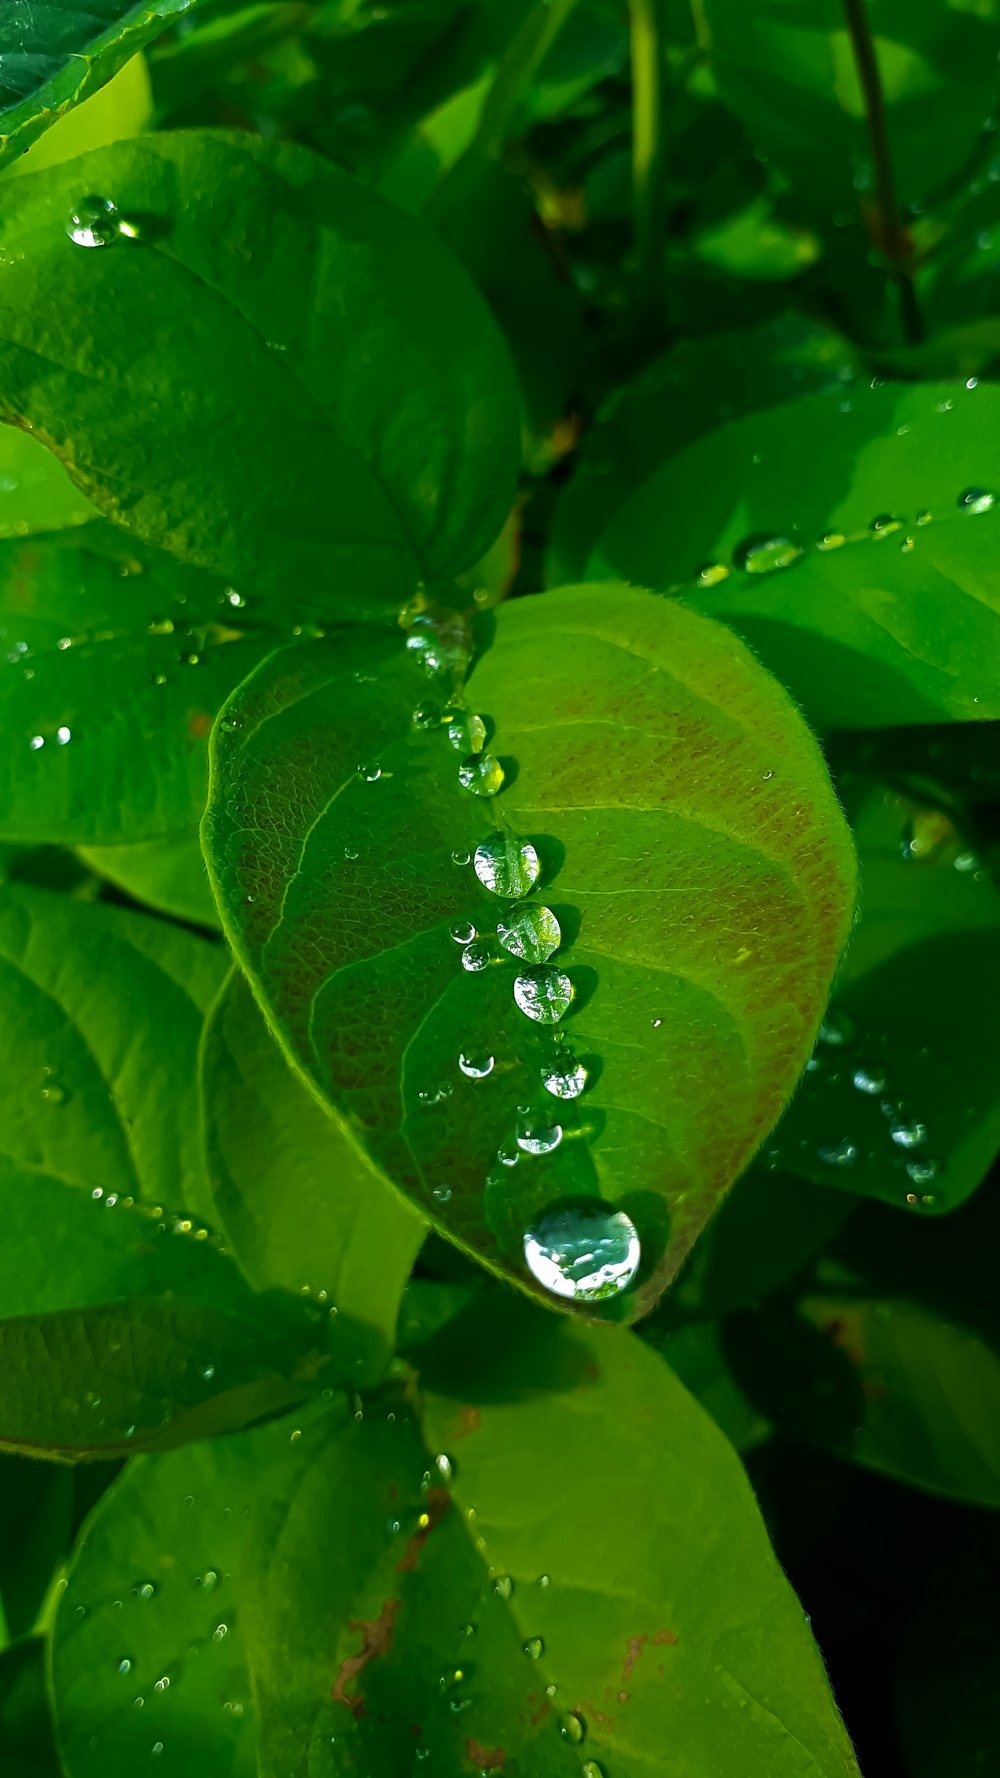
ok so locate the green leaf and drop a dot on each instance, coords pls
(101, 1017)
(878, 617)
(788, 70)
(27, 1745)
(168, 875)
(901, 1100)
(117, 660)
(39, 1501)
(122, 108)
(354, 1648)
(54, 55)
(300, 1206)
(36, 494)
(945, 1689)
(692, 851)
(696, 386)
(319, 399)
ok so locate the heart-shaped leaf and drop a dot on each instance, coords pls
(318, 398)
(671, 814)
(851, 542)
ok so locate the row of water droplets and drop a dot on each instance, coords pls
(585, 1252)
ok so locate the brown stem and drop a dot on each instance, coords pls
(893, 242)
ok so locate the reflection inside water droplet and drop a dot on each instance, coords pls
(763, 555)
(463, 932)
(537, 1135)
(477, 1065)
(840, 1154)
(565, 1079)
(93, 222)
(507, 866)
(976, 500)
(544, 994)
(531, 932)
(482, 774)
(466, 731)
(585, 1252)
(477, 956)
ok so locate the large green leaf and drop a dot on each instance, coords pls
(26, 1742)
(168, 875)
(579, 1596)
(39, 1501)
(300, 1206)
(318, 399)
(53, 53)
(882, 508)
(787, 67)
(101, 1018)
(901, 1100)
(698, 385)
(692, 849)
(117, 660)
(36, 494)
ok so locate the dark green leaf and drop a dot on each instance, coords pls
(168, 875)
(38, 1501)
(318, 399)
(789, 71)
(36, 494)
(300, 1206)
(27, 1744)
(879, 616)
(659, 774)
(54, 54)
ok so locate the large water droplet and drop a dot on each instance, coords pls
(503, 1586)
(507, 866)
(439, 641)
(482, 774)
(573, 1728)
(477, 956)
(534, 1648)
(477, 1065)
(466, 731)
(463, 932)
(565, 1079)
(908, 1133)
(536, 1134)
(869, 1080)
(531, 932)
(544, 994)
(976, 500)
(585, 1252)
(370, 772)
(93, 222)
(762, 555)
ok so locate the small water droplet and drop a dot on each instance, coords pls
(591, 1769)
(534, 1648)
(220, 1632)
(976, 500)
(924, 517)
(507, 866)
(585, 1252)
(467, 1630)
(482, 774)
(477, 1065)
(477, 956)
(544, 995)
(884, 524)
(442, 1194)
(839, 1154)
(370, 772)
(124, 1665)
(461, 857)
(463, 932)
(503, 1586)
(445, 1466)
(573, 1728)
(439, 641)
(531, 932)
(93, 222)
(427, 716)
(565, 1079)
(466, 731)
(831, 540)
(157, 1747)
(908, 1133)
(765, 554)
(146, 1589)
(869, 1080)
(537, 1135)
(36, 742)
(711, 574)
(163, 1684)
(922, 1172)
(508, 1154)
(53, 1093)
(836, 1029)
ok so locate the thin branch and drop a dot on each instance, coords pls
(893, 240)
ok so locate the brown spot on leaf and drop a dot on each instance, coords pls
(663, 1636)
(377, 1640)
(543, 1710)
(468, 1421)
(636, 1644)
(438, 1502)
(624, 1697)
(200, 725)
(488, 1759)
(590, 1713)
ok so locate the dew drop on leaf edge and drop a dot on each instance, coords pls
(584, 1252)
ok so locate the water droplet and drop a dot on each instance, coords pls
(976, 500)
(831, 540)
(157, 1747)
(220, 1632)
(836, 1029)
(439, 641)
(370, 773)
(463, 932)
(565, 1079)
(36, 742)
(544, 994)
(908, 545)
(508, 1154)
(482, 774)
(584, 1252)
(54, 1094)
(534, 1648)
(591, 1769)
(507, 866)
(544, 1580)
(477, 1065)
(162, 1685)
(467, 1630)
(146, 1589)
(93, 222)
(922, 1172)
(840, 1154)
(461, 857)
(531, 932)
(427, 716)
(884, 524)
(125, 1665)
(536, 1135)
(908, 1133)
(573, 1728)
(208, 1581)
(869, 1080)
(477, 956)
(762, 555)
(445, 1466)
(711, 574)
(503, 1586)
(466, 731)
